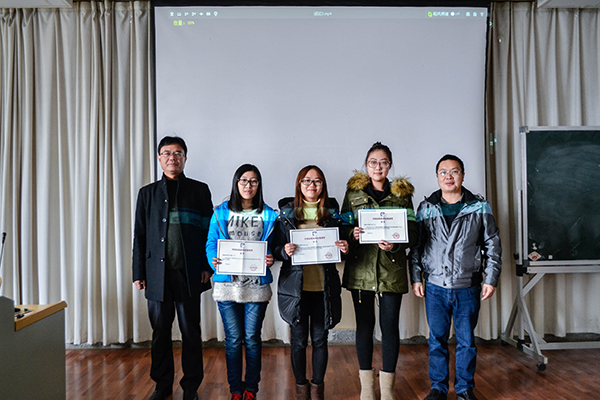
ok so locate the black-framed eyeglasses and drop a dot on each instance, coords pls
(252, 182)
(454, 172)
(308, 182)
(176, 154)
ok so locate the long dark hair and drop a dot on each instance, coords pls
(322, 211)
(235, 199)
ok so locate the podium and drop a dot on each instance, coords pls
(32, 351)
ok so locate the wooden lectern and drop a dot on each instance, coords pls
(32, 351)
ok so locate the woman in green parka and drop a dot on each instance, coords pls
(376, 274)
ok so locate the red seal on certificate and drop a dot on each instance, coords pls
(253, 267)
(396, 235)
(328, 255)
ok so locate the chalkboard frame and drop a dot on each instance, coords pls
(525, 220)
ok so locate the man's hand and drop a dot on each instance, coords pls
(205, 277)
(140, 284)
(487, 291)
(418, 289)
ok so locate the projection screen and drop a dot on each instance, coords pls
(284, 87)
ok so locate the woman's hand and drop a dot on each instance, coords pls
(385, 246)
(216, 261)
(357, 231)
(343, 246)
(290, 249)
(269, 259)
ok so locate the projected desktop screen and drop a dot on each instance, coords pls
(284, 87)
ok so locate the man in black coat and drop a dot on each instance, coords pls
(169, 262)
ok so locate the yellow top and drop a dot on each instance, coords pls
(313, 279)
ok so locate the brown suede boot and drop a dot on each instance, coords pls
(303, 392)
(317, 392)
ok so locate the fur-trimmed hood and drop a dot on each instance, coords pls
(399, 187)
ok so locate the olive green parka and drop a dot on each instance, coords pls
(367, 266)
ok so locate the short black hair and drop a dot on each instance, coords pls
(453, 158)
(167, 140)
(379, 146)
(235, 199)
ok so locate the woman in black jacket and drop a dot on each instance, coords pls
(308, 295)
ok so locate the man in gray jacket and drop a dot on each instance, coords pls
(458, 250)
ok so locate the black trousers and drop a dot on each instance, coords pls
(312, 320)
(389, 317)
(162, 315)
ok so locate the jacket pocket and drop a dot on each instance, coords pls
(359, 202)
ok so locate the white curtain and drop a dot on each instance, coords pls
(544, 70)
(77, 142)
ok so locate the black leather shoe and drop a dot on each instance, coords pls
(436, 395)
(160, 394)
(468, 395)
(189, 395)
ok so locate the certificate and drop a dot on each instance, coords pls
(315, 246)
(239, 257)
(383, 224)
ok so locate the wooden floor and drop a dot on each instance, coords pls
(502, 373)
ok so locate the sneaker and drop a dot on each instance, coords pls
(236, 396)
(436, 395)
(248, 395)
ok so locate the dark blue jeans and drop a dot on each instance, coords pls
(243, 324)
(442, 305)
(312, 319)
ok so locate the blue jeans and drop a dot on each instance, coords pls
(243, 324)
(442, 305)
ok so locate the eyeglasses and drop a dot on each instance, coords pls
(168, 154)
(454, 172)
(252, 182)
(382, 164)
(308, 182)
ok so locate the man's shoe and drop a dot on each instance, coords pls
(189, 395)
(468, 395)
(236, 396)
(435, 394)
(160, 394)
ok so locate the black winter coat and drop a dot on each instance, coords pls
(150, 234)
(289, 286)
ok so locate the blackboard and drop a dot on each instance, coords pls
(562, 194)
